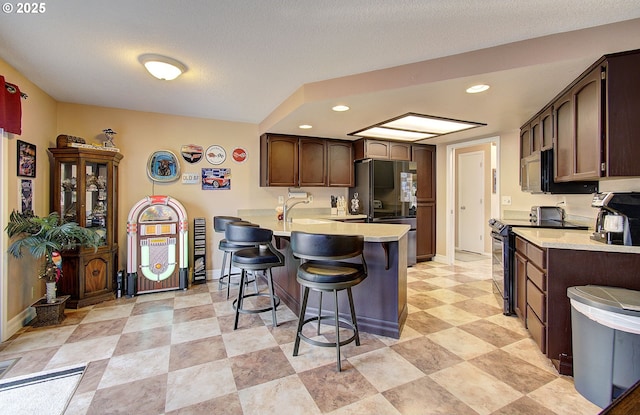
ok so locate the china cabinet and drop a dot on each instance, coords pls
(85, 190)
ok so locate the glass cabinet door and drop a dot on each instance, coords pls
(96, 201)
(69, 191)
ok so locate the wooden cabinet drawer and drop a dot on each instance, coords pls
(537, 256)
(537, 329)
(521, 245)
(538, 277)
(537, 301)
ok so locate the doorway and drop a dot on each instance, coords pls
(491, 183)
(470, 201)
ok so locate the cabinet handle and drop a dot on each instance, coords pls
(95, 273)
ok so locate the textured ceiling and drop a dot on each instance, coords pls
(278, 63)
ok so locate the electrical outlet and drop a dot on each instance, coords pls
(310, 198)
(280, 199)
(506, 200)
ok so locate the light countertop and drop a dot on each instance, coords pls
(570, 239)
(372, 232)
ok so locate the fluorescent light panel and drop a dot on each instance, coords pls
(414, 127)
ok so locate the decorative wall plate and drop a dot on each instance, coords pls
(191, 153)
(216, 155)
(163, 166)
(239, 155)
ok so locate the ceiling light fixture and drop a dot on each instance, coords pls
(340, 108)
(414, 127)
(477, 88)
(305, 126)
(162, 67)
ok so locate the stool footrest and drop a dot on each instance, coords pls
(256, 310)
(346, 324)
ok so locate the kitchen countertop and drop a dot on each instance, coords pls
(570, 239)
(372, 232)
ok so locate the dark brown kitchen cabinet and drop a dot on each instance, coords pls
(549, 273)
(425, 158)
(278, 160)
(366, 148)
(340, 163)
(292, 161)
(530, 290)
(84, 189)
(520, 304)
(525, 140)
(313, 162)
(578, 126)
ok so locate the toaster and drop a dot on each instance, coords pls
(545, 213)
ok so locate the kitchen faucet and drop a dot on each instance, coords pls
(286, 207)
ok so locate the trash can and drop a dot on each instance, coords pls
(605, 324)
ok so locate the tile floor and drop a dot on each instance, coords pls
(176, 353)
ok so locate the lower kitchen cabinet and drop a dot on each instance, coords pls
(543, 276)
(426, 231)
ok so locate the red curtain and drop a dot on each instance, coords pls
(10, 108)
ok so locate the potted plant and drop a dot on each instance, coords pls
(47, 237)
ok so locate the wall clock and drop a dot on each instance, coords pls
(163, 166)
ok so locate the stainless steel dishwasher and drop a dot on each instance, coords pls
(411, 237)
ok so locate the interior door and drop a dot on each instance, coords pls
(470, 174)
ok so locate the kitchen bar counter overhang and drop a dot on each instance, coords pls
(380, 300)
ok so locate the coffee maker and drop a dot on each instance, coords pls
(618, 220)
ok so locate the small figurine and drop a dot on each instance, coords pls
(109, 133)
(355, 204)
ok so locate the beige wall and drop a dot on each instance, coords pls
(139, 134)
(38, 127)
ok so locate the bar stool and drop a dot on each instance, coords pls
(219, 226)
(258, 255)
(323, 269)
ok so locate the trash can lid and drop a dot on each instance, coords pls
(615, 299)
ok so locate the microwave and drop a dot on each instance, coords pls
(537, 176)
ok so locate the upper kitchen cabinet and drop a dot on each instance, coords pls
(292, 161)
(340, 163)
(378, 149)
(278, 160)
(595, 122)
(312, 154)
(579, 114)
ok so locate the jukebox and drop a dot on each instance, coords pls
(157, 246)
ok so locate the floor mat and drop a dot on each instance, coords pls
(40, 393)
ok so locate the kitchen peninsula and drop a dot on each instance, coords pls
(380, 300)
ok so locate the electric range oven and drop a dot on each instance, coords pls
(503, 247)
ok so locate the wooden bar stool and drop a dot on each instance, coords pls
(324, 269)
(258, 255)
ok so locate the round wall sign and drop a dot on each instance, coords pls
(239, 155)
(216, 155)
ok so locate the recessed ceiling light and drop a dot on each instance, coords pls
(162, 67)
(305, 126)
(340, 108)
(477, 88)
(414, 127)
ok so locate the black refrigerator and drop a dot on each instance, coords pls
(387, 193)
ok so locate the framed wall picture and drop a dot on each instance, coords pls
(216, 179)
(25, 191)
(26, 159)
(163, 166)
